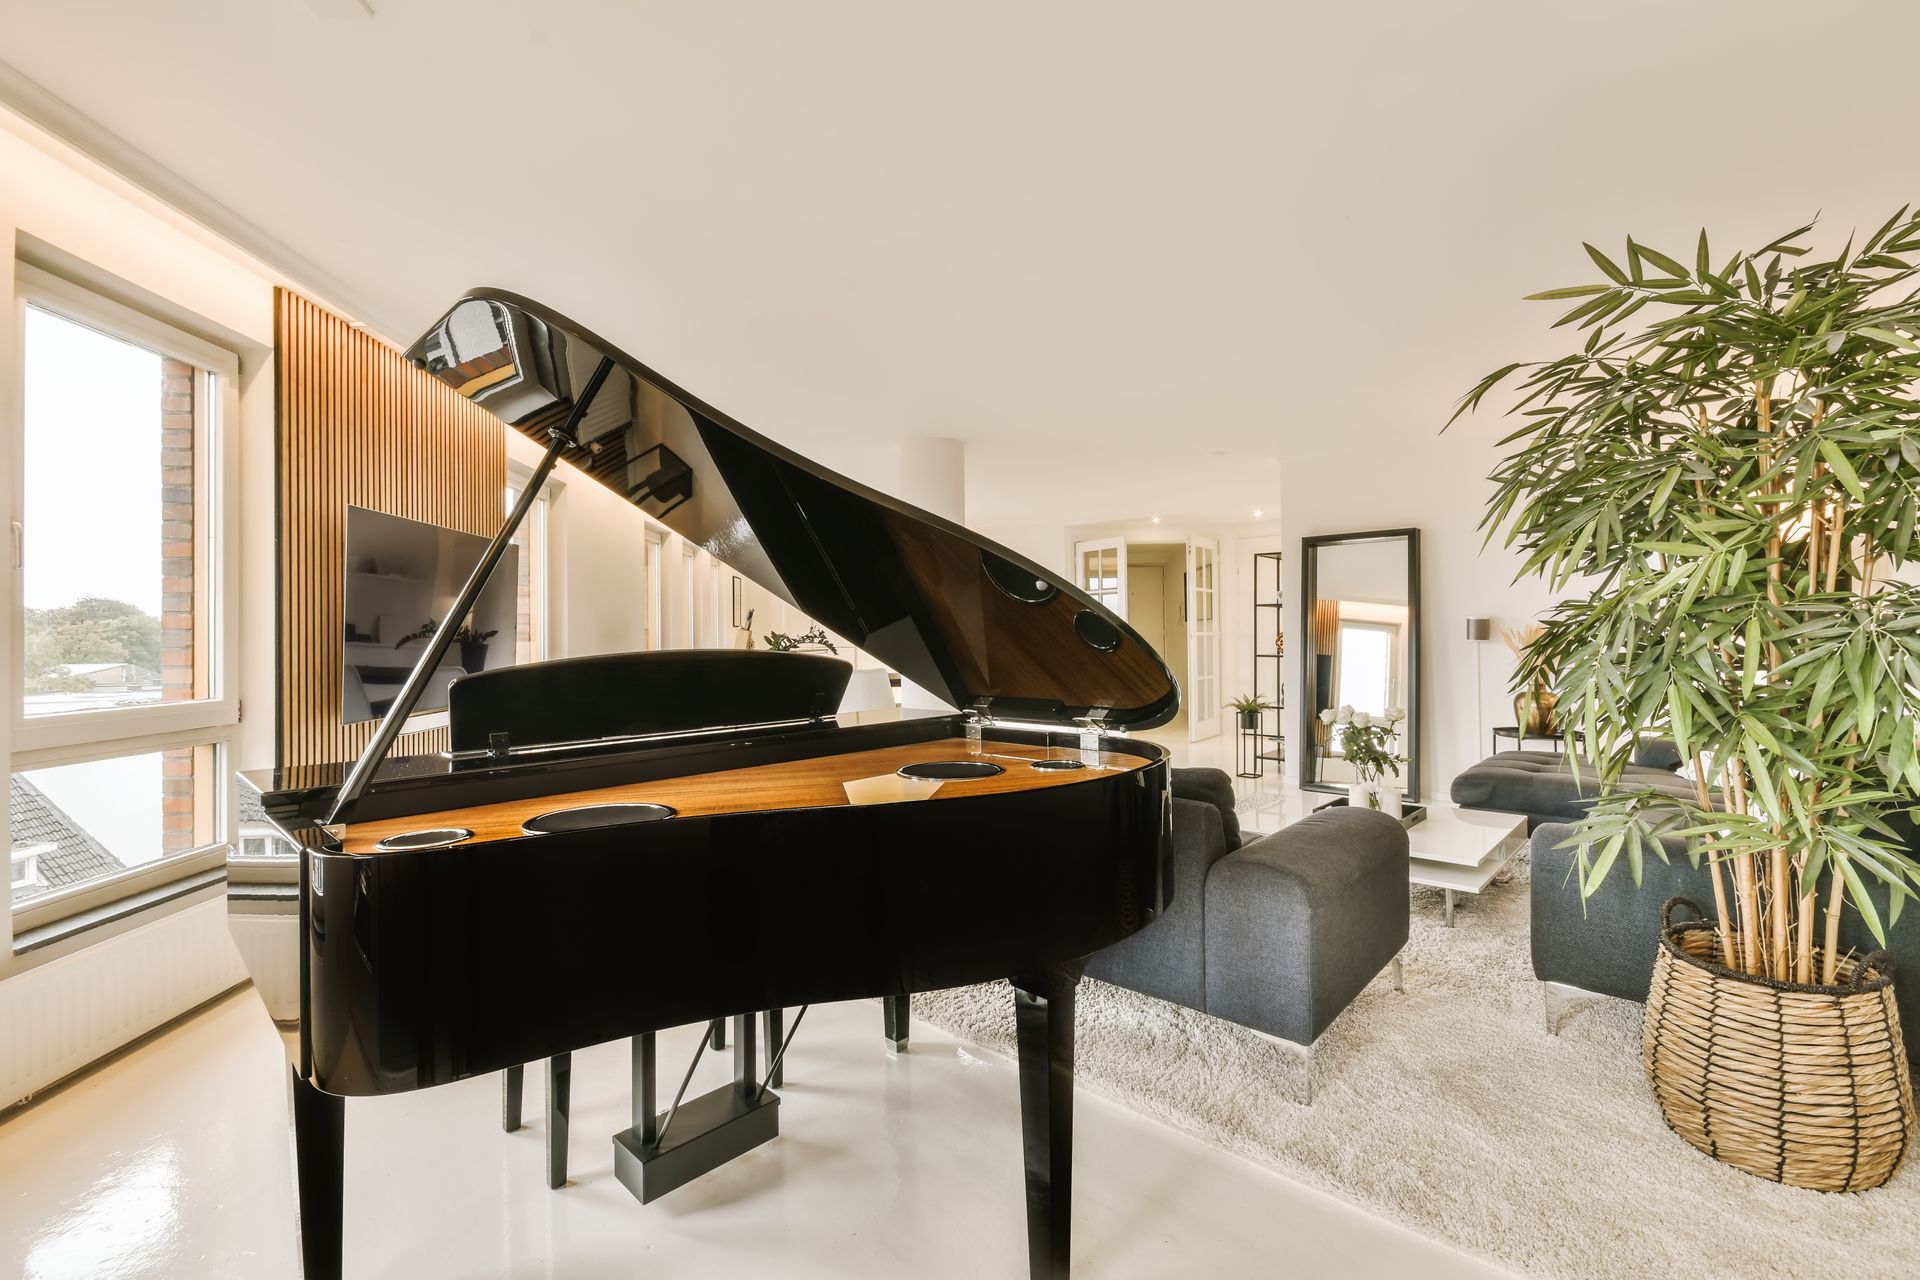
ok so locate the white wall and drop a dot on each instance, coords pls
(1419, 479)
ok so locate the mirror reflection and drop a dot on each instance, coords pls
(1361, 655)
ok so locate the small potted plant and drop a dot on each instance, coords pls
(472, 643)
(1369, 743)
(1248, 706)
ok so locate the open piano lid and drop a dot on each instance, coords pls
(964, 618)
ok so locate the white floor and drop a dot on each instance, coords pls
(173, 1161)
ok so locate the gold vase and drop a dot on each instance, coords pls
(1533, 712)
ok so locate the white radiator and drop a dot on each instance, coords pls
(58, 1017)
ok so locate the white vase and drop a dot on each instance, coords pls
(1362, 795)
(1390, 798)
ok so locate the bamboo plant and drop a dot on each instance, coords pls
(1729, 488)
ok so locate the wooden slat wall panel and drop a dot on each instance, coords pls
(359, 426)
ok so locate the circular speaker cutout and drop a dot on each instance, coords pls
(950, 770)
(431, 838)
(1015, 581)
(592, 817)
(1095, 631)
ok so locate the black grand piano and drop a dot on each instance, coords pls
(620, 844)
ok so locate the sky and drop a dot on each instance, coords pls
(117, 801)
(92, 467)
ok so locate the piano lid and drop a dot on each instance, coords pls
(964, 618)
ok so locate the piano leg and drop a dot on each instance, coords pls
(719, 1037)
(775, 1020)
(559, 1100)
(319, 1145)
(1043, 1017)
(511, 1083)
(897, 1010)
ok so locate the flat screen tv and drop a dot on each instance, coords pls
(401, 578)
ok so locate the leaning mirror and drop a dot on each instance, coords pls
(1361, 596)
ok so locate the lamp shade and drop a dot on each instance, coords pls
(1479, 628)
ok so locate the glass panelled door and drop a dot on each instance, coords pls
(1101, 569)
(1203, 638)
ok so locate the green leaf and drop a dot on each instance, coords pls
(1571, 291)
(1842, 467)
(1661, 260)
(1862, 900)
(1606, 264)
(1888, 336)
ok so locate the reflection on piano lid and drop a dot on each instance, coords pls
(972, 622)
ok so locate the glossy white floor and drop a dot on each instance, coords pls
(172, 1161)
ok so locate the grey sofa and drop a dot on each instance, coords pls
(1278, 935)
(1550, 786)
(1607, 946)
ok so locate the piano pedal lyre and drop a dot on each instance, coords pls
(667, 1150)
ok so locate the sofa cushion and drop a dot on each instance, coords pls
(1215, 788)
(1550, 786)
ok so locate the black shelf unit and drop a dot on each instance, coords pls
(1260, 744)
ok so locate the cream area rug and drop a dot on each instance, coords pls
(1450, 1109)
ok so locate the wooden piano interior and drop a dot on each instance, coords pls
(816, 782)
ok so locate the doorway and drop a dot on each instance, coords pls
(1156, 577)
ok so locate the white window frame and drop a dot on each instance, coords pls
(1114, 598)
(216, 516)
(45, 908)
(41, 742)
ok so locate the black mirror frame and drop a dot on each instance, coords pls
(1309, 592)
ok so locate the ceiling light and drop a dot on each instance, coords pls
(1155, 520)
(1257, 515)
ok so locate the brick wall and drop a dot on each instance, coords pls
(179, 676)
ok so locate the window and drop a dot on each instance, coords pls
(1366, 666)
(123, 695)
(26, 865)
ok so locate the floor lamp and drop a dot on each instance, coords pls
(1479, 630)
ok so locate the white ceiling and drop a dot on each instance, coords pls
(1085, 237)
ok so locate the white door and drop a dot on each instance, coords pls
(1101, 572)
(652, 592)
(1147, 604)
(1203, 638)
(683, 621)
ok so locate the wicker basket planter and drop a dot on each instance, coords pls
(1805, 1085)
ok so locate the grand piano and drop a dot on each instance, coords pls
(620, 844)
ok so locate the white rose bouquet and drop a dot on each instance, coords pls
(1367, 741)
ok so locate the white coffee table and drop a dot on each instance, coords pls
(1454, 850)
(1462, 850)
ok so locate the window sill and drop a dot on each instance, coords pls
(69, 933)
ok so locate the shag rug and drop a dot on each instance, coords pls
(1450, 1109)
